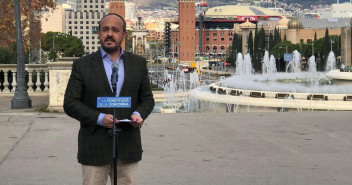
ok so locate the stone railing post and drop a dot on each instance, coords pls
(6, 82)
(46, 82)
(30, 81)
(59, 74)
(14, 81)
(32, 69)
(6, 68)
(38, 83)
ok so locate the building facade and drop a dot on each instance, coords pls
(83, 22)
(219, 28)
(84, 25)
(54, 21)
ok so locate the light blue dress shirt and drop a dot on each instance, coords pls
(107, 61)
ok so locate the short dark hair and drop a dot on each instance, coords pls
(123, 20)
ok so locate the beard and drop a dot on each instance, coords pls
(110, 49)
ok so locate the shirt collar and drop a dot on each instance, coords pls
(104, 54)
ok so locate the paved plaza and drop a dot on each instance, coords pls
(291, 148)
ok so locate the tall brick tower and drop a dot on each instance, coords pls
(187, 30)
(118, 7)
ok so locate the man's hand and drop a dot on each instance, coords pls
(108, 121)
(137, 121)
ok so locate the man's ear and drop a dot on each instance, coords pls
(125, 34)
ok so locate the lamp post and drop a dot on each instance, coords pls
(157, 65)
(283, 56)
(203, 7)
(279, 62)
(53, 49)
(331, 42)
(21, 99)
(179, 48)
(260, 57)
(318, 59)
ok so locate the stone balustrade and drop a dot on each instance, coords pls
(37, 78)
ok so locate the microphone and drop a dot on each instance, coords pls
(114, 75)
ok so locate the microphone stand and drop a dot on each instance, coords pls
(114, 132)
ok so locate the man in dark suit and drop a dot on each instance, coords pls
(91, 78)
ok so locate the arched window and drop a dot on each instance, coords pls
(215, 49)
(222, 50)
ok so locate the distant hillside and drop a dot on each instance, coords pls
(307, 3)
(157, 4)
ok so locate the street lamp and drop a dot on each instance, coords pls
(234, 57)
(53, 49)
(260, 57)
(331, 42)
(284, 47)
(21, 99)
(279, 62)
(203, 7)
(312, 47)
(283, 56)
(179, 49)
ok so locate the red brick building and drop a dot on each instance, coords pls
(219, 27)
(118, 7)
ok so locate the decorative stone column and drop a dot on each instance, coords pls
(59, 74)
(14, 81)
(46, 82)
(6, 82)
(38, 83)
(30, 82)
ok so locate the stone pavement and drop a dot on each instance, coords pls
(313, 148)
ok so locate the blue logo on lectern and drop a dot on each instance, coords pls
(114, 102)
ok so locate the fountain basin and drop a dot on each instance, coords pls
(340, 78)
(273, 100)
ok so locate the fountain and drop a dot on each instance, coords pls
(331, 63)
(176, 91)
(274, 91)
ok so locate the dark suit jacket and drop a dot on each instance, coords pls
(88, 81)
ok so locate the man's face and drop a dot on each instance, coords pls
(111, 33)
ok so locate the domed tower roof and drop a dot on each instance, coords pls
(247, 25)
(294, 24)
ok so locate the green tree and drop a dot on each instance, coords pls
(277, 36)
(128, 41)
(259, 49)
(321, 66)
(64, 45)
(279, 50)
(250, 43)
(271, 41)
(231, 59)
(8, 55)
(315, 36)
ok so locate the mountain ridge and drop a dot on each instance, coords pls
(158, 4)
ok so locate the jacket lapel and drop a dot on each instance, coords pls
(98, 66)
(128, 65)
